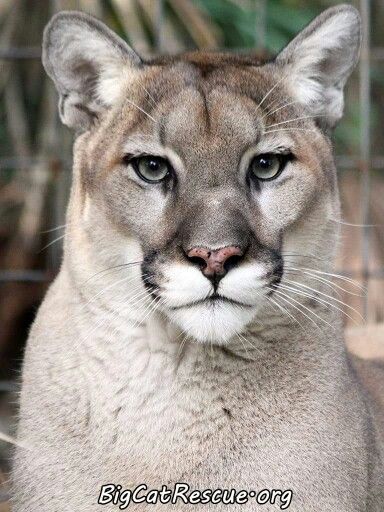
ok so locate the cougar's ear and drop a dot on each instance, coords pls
(89, 65)
(320, 59)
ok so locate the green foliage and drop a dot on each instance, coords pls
(239, 23)
(283, 22)
(236, 23)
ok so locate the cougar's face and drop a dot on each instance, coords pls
(214, 169)
(210, 191)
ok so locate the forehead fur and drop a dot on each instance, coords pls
(204, 104)
(206, 71)
(196, 94)
(209, 60)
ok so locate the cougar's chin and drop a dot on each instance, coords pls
(212, 321)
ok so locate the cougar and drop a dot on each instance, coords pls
(192, 342)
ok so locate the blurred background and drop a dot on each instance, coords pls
(35, 149)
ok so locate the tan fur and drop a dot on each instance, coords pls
(247, 396)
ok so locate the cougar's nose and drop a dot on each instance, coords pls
(215, 263)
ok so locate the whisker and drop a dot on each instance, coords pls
(154, 104)
(320, 300)
(115, 283)
(250, 343)
(122, 265)
(12, 440)
(284, 310)
(286, 298)
(140, 82)
(141, 109)
(182, 344)
(355, 225)
(293, 120)
(147, 311)
(116, 313)
(268, 108)
(337, 276)
(310, 256)
(54, 229)
(305, 307)
(137, 297)
(327, 282)
(291, 130)
(157, 305)
(281, 107)
(52, 242)
(271, 90)
(244, 346)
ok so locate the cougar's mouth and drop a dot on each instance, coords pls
(211, 300)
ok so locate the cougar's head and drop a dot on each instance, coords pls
(215, 169)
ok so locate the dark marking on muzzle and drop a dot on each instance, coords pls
(277, 272)
(148, 273)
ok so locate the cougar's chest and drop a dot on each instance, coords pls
(151, 418)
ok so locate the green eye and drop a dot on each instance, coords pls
(152, 169)
(268, 166)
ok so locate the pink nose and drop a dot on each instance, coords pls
(216, 262)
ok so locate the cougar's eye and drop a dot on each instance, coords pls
(151, 169)
(267, 166)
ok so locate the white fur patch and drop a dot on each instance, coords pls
(184, 284)
(216, 321)
(112, 81)
(244, 284)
